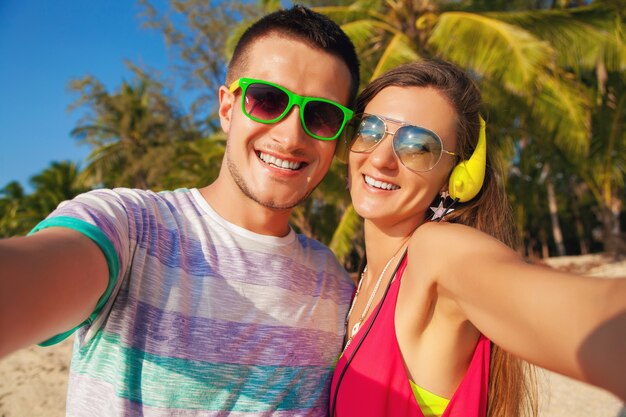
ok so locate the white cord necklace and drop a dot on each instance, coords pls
(357, 325)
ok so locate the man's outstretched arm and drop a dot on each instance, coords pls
(49, 283)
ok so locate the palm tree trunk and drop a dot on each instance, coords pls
(578, 222)
(580, 231)
(530, 248)
(543, 238)
(614, 243)
(554, 214)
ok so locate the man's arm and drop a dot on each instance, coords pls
(49, 283)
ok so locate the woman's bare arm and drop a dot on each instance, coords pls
(567, 323)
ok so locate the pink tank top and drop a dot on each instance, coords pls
(376, 384)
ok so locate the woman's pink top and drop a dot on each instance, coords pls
(376, 382)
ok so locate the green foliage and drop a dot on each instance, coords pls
(398, 51)
(20, 212)
(134, 133)
(197, 162)
(551, 77)
(530, 62)
(345, 238)
(13, 209)
(581, 37)
(197, 32)
(492, 48)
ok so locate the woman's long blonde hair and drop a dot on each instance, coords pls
(512, 386)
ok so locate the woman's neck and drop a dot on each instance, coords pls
(383, 242)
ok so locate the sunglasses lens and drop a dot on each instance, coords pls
(265, 102)
(323, 119)
(370, 131)
(418, 149)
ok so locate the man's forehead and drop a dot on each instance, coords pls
(298, 66)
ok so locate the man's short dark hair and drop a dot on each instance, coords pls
(305, 25)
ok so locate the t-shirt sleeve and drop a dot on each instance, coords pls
(102, 216)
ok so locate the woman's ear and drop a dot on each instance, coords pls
(227, 101)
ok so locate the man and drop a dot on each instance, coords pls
(204, 302)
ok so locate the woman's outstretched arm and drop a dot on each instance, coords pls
(568, 323)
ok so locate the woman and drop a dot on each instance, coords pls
(444, 308)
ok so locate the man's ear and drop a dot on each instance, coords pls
(227, 101)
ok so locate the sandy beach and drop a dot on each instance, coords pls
(33, 381)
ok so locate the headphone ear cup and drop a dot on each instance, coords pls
(467, 177)
(462, 184)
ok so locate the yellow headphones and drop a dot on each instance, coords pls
(467, 177)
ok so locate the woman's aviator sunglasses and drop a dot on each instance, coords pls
(418, 148)
(266, 102)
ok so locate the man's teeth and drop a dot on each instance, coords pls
(269, 159)
(379, 184)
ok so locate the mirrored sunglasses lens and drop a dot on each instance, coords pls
(418, 149)
(323, 119)
(265, 102)
(370, 131)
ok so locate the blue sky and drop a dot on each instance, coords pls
(43, 45)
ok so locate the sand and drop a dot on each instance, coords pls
(33, 381)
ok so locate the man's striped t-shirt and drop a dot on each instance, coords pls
(201, 317)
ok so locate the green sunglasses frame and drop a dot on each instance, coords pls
(294, 99)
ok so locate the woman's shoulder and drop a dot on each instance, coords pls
(431, 232)
(454, 241)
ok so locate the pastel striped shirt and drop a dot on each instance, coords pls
(203, 318)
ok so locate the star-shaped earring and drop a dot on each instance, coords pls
(438, 211)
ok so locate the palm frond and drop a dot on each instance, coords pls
(607, 158)
(581, 37)
(492, 48)
(398, 51)
(232, 40)
(343, 14)
(562, 108)
(359, 32)
(332, 189)
(100, 161)
(343, 239)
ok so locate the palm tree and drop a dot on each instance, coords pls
(603, 170)
(197, 162)
(529, 77)
(527, 61)
(59, 182)
(20, 212)
(12, 206)
(134, 133)
(599, 63)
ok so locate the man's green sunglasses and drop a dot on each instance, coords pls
(266, 102)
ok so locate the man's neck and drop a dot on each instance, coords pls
(239, 209)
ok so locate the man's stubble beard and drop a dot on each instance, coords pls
(241, 183)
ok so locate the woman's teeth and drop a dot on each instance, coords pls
(379, 184)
